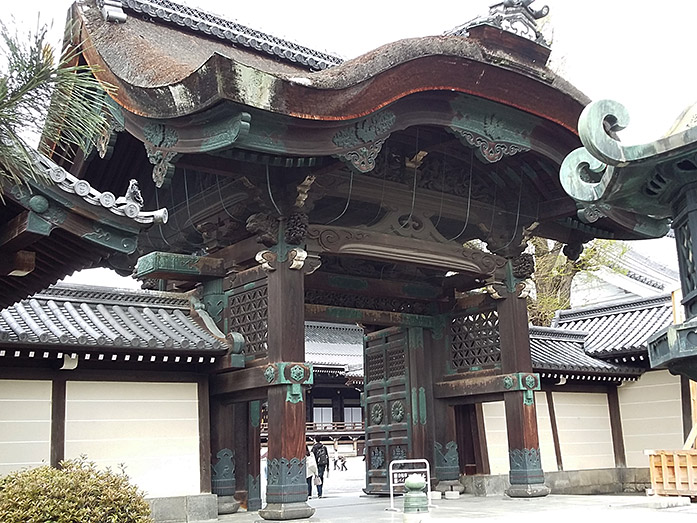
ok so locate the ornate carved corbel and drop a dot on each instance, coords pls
(296, 228)
(363, 158)
(265, 226)
(160, 139)
(363, 141)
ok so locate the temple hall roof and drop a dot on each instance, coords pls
(618, 329)
(334, 344)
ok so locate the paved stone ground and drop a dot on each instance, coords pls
(344, 502)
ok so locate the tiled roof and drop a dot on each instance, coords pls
(232, 32)
(127, 206)
(618, 328)
(562, 350)
(334, 345)
(84, 319)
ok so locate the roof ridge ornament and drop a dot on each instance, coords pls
(513, 16)
(112, 11)
(123, 206)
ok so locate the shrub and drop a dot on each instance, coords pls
(77, 492)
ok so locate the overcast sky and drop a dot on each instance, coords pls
(635, 52)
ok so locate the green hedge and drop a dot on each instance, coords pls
(77, 492)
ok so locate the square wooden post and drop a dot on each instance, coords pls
(526, 475)
(441, 427)
(253, 468)
(286, 374)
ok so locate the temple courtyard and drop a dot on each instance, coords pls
(344, 501)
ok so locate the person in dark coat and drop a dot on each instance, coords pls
(322, 458)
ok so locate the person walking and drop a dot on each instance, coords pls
(311, 473)
(322, 457)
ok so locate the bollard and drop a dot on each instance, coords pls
(415, 499)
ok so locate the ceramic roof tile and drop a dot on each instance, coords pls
(621, 327)
(76, 317)
(334, 344)
(562, 350)
(231, 32)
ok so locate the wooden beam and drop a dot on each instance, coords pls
(373, 287)
(240, 253)
(238, 381)
(376, 245)
(23, 230)
(613, 403)
(480, 444)
(18, 263)
(555, 429)
(57, 452)
(171, 266)
(204, 434)
(346, 315)
(475, 386)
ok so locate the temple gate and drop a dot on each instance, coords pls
(395, 191)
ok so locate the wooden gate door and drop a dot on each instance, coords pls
(387, 405)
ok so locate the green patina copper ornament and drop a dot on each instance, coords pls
(530, 381)
(297, 373)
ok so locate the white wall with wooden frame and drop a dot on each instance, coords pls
(25, 424)
(651, 415)
(154, 426)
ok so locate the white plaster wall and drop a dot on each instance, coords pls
(152, 428)
(496, 436)
(25, 424)
(585, 437)
(544, 430)
(651, 414)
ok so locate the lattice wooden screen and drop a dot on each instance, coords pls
(248, 312)
(475, 341)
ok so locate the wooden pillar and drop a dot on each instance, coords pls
(224, 456)
(286, 491)
(253, 465)
(441, 424)
(526, 475)
(418, 373)
(57, 421)
(204, 434)
(555, 429)
(613, 403)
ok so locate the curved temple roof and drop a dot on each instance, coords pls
(174, 67)
(208, 97)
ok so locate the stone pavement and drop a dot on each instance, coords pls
(554, 508)
(344, 501)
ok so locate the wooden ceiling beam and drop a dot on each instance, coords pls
(372, 286)
(18, 263)
(23, 230)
